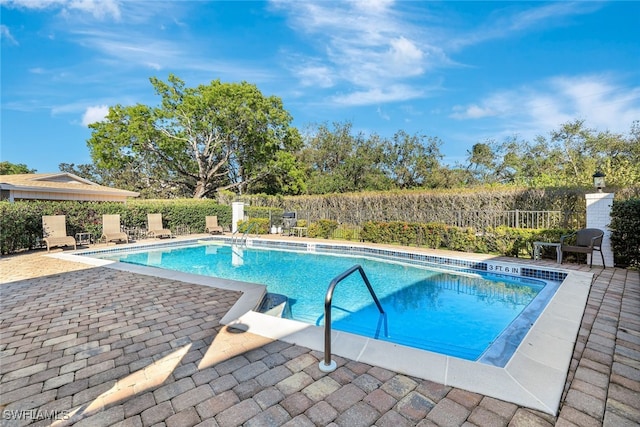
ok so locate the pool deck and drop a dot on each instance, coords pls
(94, 346)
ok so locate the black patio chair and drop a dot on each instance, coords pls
(583, 241)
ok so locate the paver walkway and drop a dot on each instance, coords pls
(101, 347)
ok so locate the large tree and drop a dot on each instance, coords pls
(203, 139)
(338, 161)
(129, 177)
(413, 161)
(8, 168)
(569, 157)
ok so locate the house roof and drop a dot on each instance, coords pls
(60, 182)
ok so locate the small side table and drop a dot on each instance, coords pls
(135, 233)
(537, 246)
(300, 231)
(84, 238)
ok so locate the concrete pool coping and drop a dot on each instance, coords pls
(534, 376)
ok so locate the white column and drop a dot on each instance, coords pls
(237, 214)
(599, 216)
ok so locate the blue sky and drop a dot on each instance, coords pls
(465, 72)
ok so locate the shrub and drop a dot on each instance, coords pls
(254, 225)
(177, 212)
(430, 234)
(323, 228)
(347, 232)
(500, 240)
(512, 241)
(625, 232)
(460, 239)
(21, 221)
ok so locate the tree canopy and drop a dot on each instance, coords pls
(200, 140)
(336, 160)
(8, 168)
(569, 156)
(229, 136)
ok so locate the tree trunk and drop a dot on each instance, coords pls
(199, 191)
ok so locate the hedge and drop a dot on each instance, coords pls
(625, 232)
(254, 226)
(21, 221)
(500, 240)
(21, 226)
(423, 205)
(323, 228)
(435, 205)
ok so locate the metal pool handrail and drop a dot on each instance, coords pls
(328, 365)
(243, 239)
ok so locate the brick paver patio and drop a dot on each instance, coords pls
(93, 346)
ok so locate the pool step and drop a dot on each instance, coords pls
(275, 305)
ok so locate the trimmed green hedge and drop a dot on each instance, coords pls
(258, 226)
(21, 222)
(323, 228)
(500, 240)
(21, 226)
(625, 232)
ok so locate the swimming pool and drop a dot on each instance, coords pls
(527, 364)
(459, 312)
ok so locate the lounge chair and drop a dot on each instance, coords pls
(111, 229)
(155, 226)
(583, 241)
(54, 232)
(212, 225)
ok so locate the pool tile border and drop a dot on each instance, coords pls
(407, 256)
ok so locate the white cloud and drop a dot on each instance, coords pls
(5, 34)
(367, 6)
(100, 9)
(382, 114)
(497, 104)
(504, 23)
(471, 112)
(366, 46)
(154, 66)
(377, 95)
(130, 48)
(405, 50)
(548, 13)
(315, 75)
(603, 103)
(94, 114)
(599, 100)
(405, 57)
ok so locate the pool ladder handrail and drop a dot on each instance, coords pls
(328, 365)
(243, 239)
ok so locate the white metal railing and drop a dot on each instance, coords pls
(243, 239)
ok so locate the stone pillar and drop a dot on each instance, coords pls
(237, 214)
(599, 216)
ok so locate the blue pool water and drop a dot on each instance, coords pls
(458, 314)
